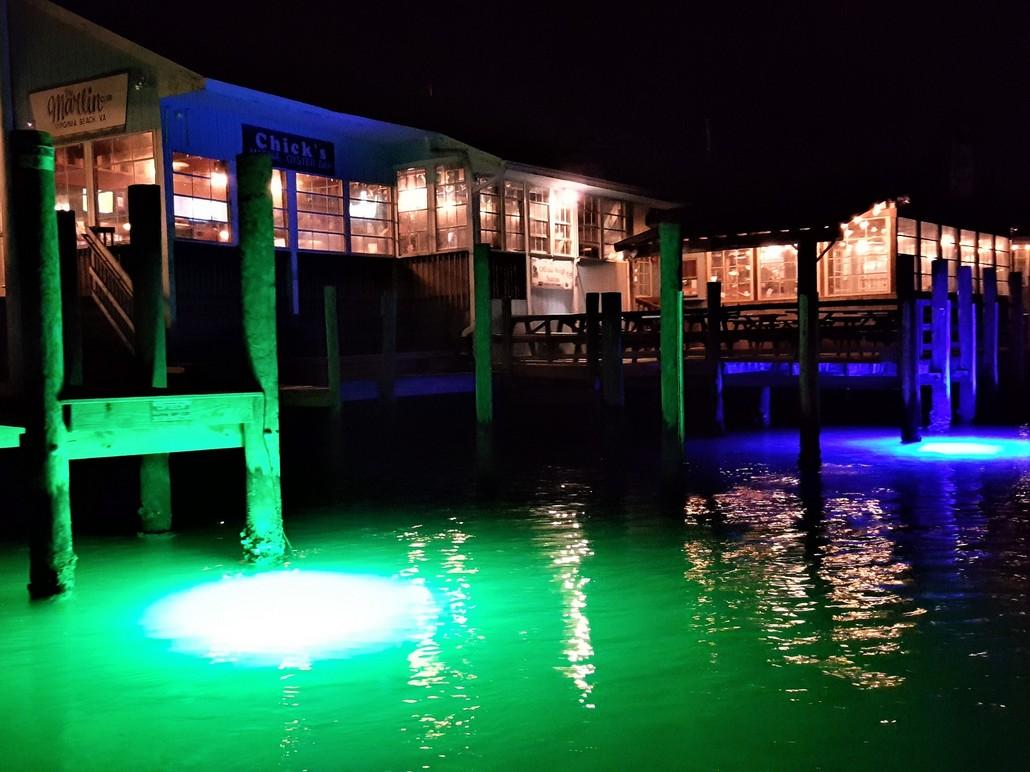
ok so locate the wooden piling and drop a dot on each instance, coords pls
(1017, 344)
(988, 376)
(808, 351)
(966, 346)
(507, 342)
(35, 253)
(332, 351)
(908, 349)
(612, 383)
(670, 356)
(388, 352)
(148, 315)
(593, 323)
(713, 359)
(940, 351)
(71, 302)
(263, 538)
(482, 350)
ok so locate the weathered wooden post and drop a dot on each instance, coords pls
(482, 350)
(713, 357)
(966, 346)
(332, 353)
(808, 350)
(940, 352)
(507, 343)
(1017, 343)
(35, 253)
(989, 379)
(148, 316)
(71, 303)
(908, 349)
(263, 538)
(388, 354)
(670, 350)
(612, 384)
(593, 323)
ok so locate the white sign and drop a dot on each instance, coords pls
(552, 273)
(80, 108)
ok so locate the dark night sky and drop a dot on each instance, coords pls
(723, 101)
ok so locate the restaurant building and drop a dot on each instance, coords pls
(360, 204)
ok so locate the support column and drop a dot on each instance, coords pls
(670, 349)
(808, 351)
(388, 353)
(148, 316)
(71, 301)
(35, 252)
(713, 358)
(966, 346)
(1017, 344)
(507, 343)
(613, 394)
(593, 321)
(940, 352)
(989, 379)
(332, 352)
(482, 349)
(908, 349)
(263, 538)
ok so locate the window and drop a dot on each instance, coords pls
(590, 227)
(929, 250)
(70, 186)
(490, 217)
(412, 212)
(1003, 262)
(319, 213)
(614, 225)
(452, 198)
(857, 262)
(514, 198)
(279, 222)
(119, 162)
(563, 206)
(732, 267)
(201, 188)
(539, 221)
(371, 219)
(642, 277)
(777, 272)
(693, 262)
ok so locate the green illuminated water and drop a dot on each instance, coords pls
(577, 626)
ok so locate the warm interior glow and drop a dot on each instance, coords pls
(411, 200)
(220, 179)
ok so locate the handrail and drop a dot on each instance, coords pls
(106, 283)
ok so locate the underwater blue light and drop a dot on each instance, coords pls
(291, 618)
(950, 448)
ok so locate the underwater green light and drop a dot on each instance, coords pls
(291, 618)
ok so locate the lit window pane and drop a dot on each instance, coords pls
(320, 223)
(201, 201)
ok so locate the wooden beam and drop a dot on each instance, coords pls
(670, 348)
(808, 352)
(908, 349)
(966, 346)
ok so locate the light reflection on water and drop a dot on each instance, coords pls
(874, 615)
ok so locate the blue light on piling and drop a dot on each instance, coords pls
(291, 618)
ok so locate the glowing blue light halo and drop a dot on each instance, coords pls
(291, 618)
(950, 447)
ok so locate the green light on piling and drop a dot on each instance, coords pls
(290, 619)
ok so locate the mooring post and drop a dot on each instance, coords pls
(989, 379)
(332, 352)
(507, 354)
(148, 316)
(71, 302)
(593, 324)
(482, 350)
(808, 351)
(1017, 343)
(713, 357)
(263, 538)
(670, 351)
(612, 386)
(36, 254)
(388, 353)
(966, 346)
(940, 351)
(908, 349)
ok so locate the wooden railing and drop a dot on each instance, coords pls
(103, 280)
(854, 331)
